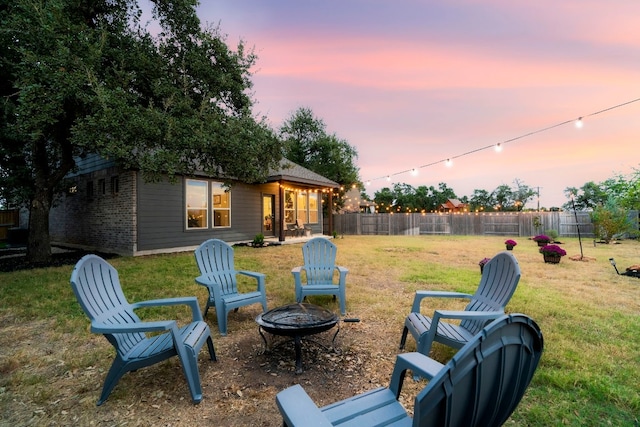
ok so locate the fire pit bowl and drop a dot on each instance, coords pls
(296, 320)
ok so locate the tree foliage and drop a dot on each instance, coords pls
(307, 143)
(89, 77)
(405, 198)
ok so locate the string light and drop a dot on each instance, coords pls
(449, 163)
(498, 146)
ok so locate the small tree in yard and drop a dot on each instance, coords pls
(80, 77)
(610, 220)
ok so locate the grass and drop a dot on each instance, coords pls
(589, 317)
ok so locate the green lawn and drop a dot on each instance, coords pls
(590, 318)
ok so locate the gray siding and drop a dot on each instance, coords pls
(161, 216)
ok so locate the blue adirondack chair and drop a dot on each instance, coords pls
(319, 266)
(96, 285)
(500, 277)
(480, 386)
(215, 260)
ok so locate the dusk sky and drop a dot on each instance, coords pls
(410, 83)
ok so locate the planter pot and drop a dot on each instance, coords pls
(509, 247)
(542, 243)
(551, 259)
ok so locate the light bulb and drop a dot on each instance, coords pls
(449, 163)
(498, 147)
(414, 171)
(579, 123)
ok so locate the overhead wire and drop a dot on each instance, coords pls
(528, 134)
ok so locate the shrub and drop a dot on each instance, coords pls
(610, 220)
(553, 234)
(258, 240)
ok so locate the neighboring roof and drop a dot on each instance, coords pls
(289, 171)
(454, 202)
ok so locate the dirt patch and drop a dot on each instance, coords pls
(239, 389)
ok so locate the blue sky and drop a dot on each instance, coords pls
(410, 83)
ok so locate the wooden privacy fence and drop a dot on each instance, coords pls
(8, 219)
(500, 223)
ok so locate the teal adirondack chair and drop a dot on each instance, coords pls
(499, 280)
(480, 386)
(319, 267)
(96, 285)
(215, 260)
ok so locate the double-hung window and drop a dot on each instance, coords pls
(302, 208)
(221, 205)
(206, 199)
(197, 201)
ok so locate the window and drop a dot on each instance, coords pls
(313, 208)
(221, 205)
(115, 185)
(197, 204)
(102, 188)
(302, 208)
(289, 207)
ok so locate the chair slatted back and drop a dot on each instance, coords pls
(215, 259)
(319, 260)
(96, 285)
(484, 382)
(499, 280)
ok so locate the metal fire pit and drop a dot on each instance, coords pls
(297, 321)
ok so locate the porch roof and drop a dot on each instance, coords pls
(292, 172)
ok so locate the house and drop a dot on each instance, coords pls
(113, 210)
(354, 203)
(454, 205)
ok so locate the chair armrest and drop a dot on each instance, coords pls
(260, 278)
(212, 286)
(298, 409)
(110, 328)
(418, 363)
(420, 295)
(470, 315)
(253, 274)
(190, 301)
(342, 270)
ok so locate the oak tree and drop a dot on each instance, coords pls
(163, 95)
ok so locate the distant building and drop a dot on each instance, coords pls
(354, 203)
(454, 205)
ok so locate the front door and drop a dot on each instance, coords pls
(268, 214)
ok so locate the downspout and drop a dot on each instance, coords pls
(330, 212)
(281, 213)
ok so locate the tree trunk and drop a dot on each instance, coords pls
(39, 243)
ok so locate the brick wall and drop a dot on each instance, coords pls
(97, 215)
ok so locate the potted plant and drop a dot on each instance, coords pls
(542, 239)
(552, 253)
(482, 263)
(510, 243)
